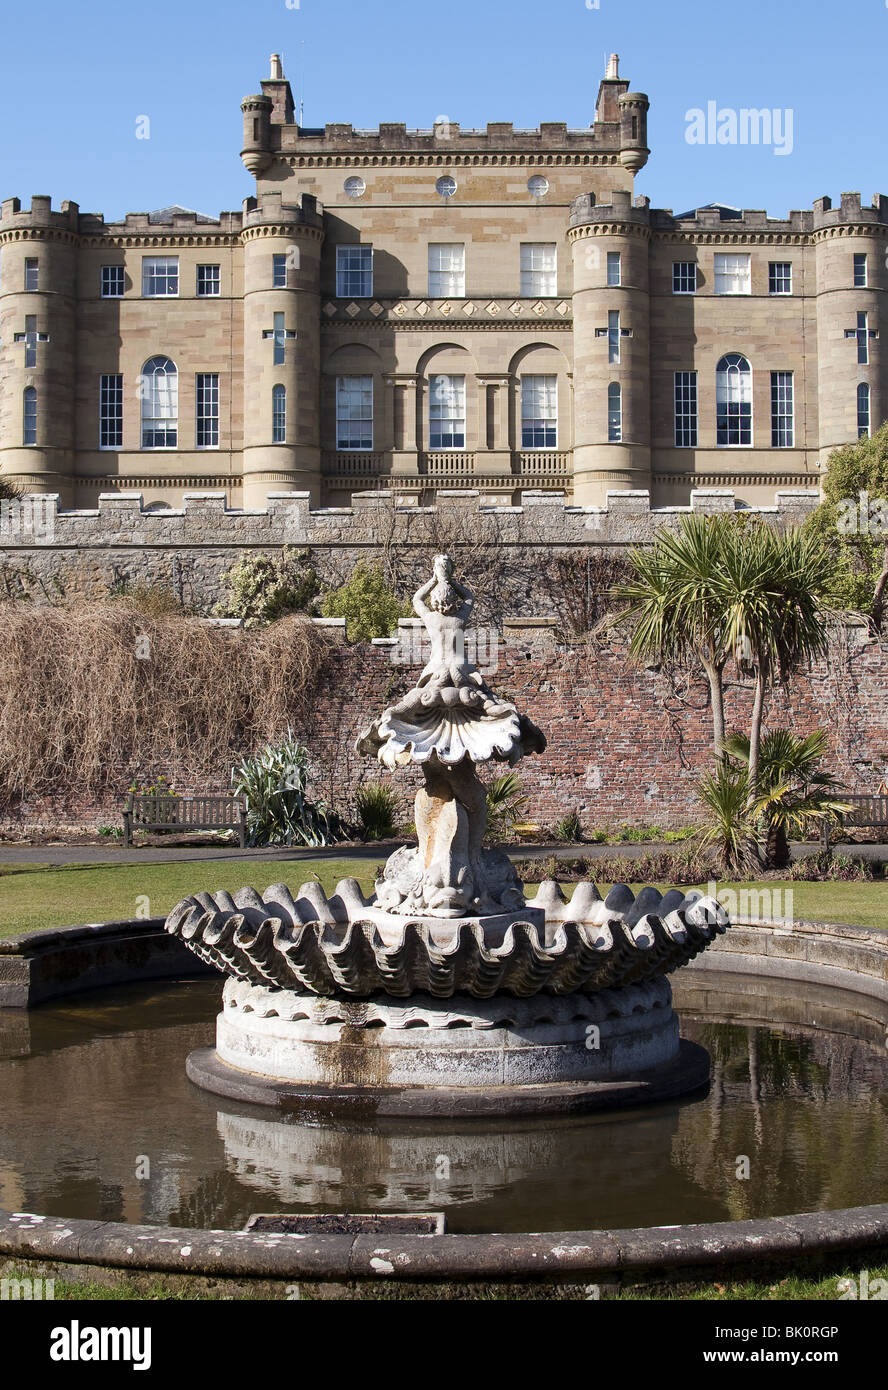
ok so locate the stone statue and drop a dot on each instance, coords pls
(448, 723)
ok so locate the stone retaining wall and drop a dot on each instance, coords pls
(45, 551)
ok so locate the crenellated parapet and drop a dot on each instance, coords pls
(205, 521)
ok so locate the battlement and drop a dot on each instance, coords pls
(205, 518)
(40, 214)
(448, 137)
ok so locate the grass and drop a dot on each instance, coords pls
(789, 1288)
(36, 896)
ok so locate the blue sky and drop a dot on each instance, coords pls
(74, 79)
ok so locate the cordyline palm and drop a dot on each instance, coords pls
(773, 614)
(794, 792)
(677, 603)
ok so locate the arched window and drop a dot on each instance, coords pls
(863, 410)
(159, 388)
(29, 415)
(733, 401)
(614, 413)
(278, 414)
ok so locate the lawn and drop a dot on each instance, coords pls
(34, 896)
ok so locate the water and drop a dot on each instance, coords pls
(98, 1120)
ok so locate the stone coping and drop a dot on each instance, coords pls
(39, 966)
(554, 1255)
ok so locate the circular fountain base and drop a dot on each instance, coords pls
(456, 1056)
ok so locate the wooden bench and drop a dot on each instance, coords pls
(870, 812)
(146, 811)
(525, 831)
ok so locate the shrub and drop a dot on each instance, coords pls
(196, 699)
(569, 828)
(154, 600)
(826, 866)
(263, 588)
(377, 807)
(506, 804)
(279, 809)
(680, 868)
(370, 608)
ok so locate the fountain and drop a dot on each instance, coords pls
(445, 992)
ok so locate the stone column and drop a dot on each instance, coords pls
(403, 387)
(494, 454)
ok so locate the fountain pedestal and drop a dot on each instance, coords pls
(459, 1056)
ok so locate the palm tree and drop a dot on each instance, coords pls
(774, 616)
(676, 603)
(794, 792)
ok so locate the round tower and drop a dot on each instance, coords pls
(256, 153)
(38, 367)
(611, 313)
(282, 255)
(634, 150)
(850, 253)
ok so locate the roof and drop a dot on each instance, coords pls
(174, 210)
(726, 211)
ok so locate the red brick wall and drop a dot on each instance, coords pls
(624, 744)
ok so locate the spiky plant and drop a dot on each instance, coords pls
(794, 793)
(506, 804)
(279, 810)
(377, 806)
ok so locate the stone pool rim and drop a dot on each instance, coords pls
(845, 956)
(544, 1256)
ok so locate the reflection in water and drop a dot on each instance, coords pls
(91, 1088)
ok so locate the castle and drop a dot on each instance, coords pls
(444, 310)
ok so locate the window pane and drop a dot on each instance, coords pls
(354, 272)
(780, 277)
(613, 268)
(447, 412)
(207, 410)
(733, 399)
(860, 270)
(279, 272)
(354, 412)
(447, 270)
(160, 404)
(863, 410)
(862, 339)
(613, 335)
(539, 269)
(539, 412)
(782, 431)
(280, 341)
(32, 275)
(160, 276)
(112, 281)
(732, 274)
(111, 411)
(614, 413)
(279, 415)
(686, 410)
(684, 277)
(29, 428)
(208, 282)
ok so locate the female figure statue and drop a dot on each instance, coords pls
(448, 723)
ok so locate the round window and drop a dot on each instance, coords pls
(355, 187)
(538, 186)
(446, 186)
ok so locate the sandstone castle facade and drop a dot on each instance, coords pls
(492, 310)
